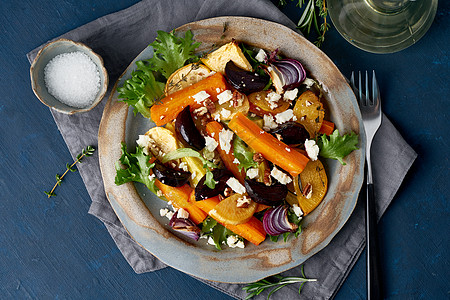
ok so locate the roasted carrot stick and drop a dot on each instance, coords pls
(173, 104)
(213, 128)
(271, 148)
(253, 231)
(179, 196)
(327, 127)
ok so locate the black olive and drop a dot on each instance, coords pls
(244, 81)
(291, 133)
(202, 191)
(271, 195)
(170, 176)
(184, 125)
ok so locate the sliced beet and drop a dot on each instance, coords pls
(202, 191)
(272, 195)
(185, 127)
(244, 81)
(291, 133)
(169, 176)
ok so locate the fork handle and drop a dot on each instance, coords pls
(373, 283)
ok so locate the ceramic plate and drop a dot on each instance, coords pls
(138, 209)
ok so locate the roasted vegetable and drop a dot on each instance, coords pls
(291, 133)
(229, 210)
(218, 59)
(185, 127)
(309, 112)
(244, 81)
(272, 195)
(170, 176)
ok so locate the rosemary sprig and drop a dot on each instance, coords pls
(256, 288)
(312, 13)
(88, 151)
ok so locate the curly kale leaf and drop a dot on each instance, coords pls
(337, 147)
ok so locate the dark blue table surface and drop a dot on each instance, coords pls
(51, 248)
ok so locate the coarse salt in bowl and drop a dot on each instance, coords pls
(68, 77)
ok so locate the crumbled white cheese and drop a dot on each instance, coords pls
(225, 137)
(163, 212)
(285, 116)
(273, 98)
(217, 90)
(151, 176)
(208, 155)
(235, 185)
(183, 214)
(308, 103)
(225, 96)
(290, 95)
(217, 117)
(288, 149)
(193, 175)
(308, 82)
(236, 161)
(210, 143)
(252, 173)
(200, 97)
(183, 166)
(312, 149)
(233, 241)
(159, 193)
(211, 241)
(261, 56)
(243, 201)
(144, 141)
(269, 122)
(280, 176)
(297, 210)
(225, 113)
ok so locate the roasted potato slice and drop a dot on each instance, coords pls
(186, 76)
(218, 59)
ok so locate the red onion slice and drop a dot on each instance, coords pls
(275, 221)
(292, 72)
(185, 227)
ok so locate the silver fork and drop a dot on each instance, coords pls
(371, 116)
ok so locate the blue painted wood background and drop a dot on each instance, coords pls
(51, 248)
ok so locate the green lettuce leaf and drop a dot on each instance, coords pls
(146, 85)
(171, 52)
(137, 168)
(243, 154)
(142, 89)
(216, 231)
(336, 146)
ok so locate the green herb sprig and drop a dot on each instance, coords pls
(256, 288)
(314, 11)
(88, 151)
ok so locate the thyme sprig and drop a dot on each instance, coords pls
(314, 11)
(256, 288)
(88, 151)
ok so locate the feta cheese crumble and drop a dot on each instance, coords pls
(243, 201)
(312, 149)
(235, 185)
(269, 122)
(182, 214)
(233, 241)
(144, 142)
(210, 143)
(225, 96)
(225, 137)
(200, 97)
(280, 176)
(290, 95)
(273, 98)
(225, 113)
(308, 82)
(285, 116)
(297, 210)
(261, 56)
(252, 173)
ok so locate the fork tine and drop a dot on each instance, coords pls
(352, 81)
(361, 99)
(375, 91)
(367, 93)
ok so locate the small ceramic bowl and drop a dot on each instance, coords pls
(48, 53)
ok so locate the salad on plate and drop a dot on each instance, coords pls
(238, 143)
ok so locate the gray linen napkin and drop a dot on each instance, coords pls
(120, 37)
